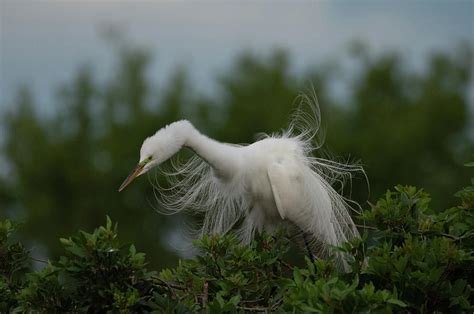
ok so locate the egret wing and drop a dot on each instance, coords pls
(285, 182)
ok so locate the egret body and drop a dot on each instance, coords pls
(258, 186)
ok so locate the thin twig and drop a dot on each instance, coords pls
(447, 235)
(466, 235)
(290, 267)
(39, 260)
(366, 227)
(306, 243)
(259, 308)
(205, 295)
(277, 304)
(252, 301)
(169, 285)
(252, 309)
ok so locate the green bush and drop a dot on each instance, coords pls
(14, 263)
(96, 273)
(409, 259)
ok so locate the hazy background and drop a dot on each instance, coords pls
(44, 42)
(83, 82)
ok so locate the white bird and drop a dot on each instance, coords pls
(258, 186)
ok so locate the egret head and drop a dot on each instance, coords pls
(156, 149)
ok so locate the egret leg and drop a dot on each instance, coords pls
(306, 243)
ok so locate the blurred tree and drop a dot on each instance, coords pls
(406, 127)
(258, 95)
(67, 168)
(64, 170)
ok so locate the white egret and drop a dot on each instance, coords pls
(258, 186)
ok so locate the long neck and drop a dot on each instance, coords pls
(223, 158)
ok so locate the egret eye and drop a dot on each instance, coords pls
(146, 160)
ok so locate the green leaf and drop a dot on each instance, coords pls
(132, 250)
(78, 251)
(309, 309)
(235, 300)
(397, 302)
(458, 287)
(108, 223)
(297, 277)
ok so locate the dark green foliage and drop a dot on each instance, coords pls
(96, 273)
(410, 259)
(228, 274)
(320, 289)
(426, 256)
(14, 263)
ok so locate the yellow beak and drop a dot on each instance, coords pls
(135, 173)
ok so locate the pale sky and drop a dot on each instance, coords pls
(43, 43)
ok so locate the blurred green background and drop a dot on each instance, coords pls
(61, 170)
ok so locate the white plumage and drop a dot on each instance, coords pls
(258, 186)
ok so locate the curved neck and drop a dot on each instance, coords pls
(222, 157)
